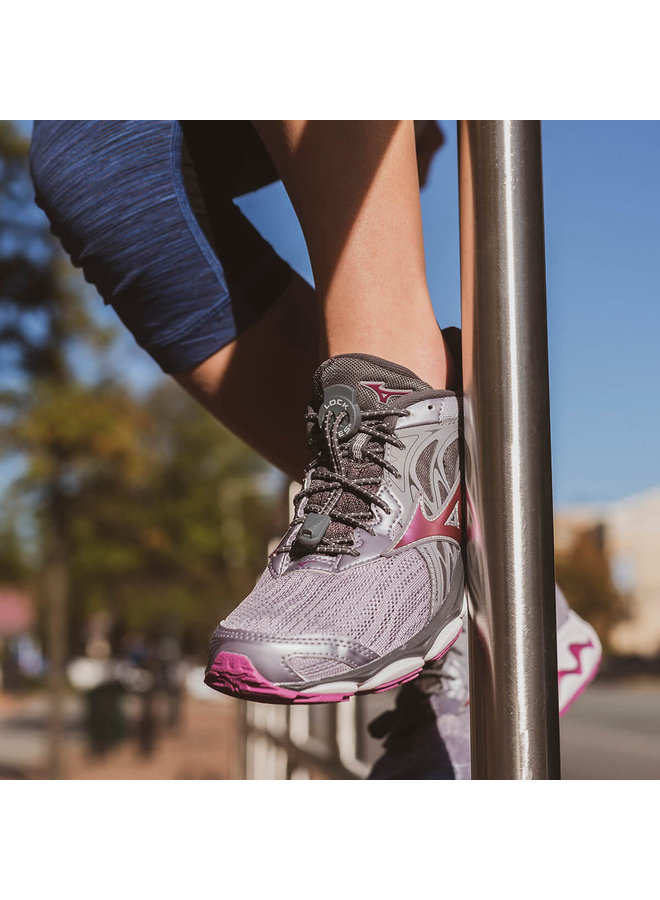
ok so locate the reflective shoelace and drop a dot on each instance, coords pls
(334, 481)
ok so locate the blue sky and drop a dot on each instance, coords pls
(602, 210)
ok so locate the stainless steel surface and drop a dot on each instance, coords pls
(513, 678)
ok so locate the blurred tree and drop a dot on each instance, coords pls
(180, 544)
(39, 315)
(147, 508)
(583, 573)
(14, 566)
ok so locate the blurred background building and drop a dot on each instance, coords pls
(626, 536)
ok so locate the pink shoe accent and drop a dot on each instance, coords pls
(384, 393)
(234, 674)
(576, 650)
(420, 527)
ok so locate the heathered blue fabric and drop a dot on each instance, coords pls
(114, 194)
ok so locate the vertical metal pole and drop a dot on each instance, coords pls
(510, 558)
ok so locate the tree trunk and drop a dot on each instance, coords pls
(56, 588)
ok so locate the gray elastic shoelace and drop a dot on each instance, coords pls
(331, 480)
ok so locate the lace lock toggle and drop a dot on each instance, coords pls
(338, 399)
(312, 531)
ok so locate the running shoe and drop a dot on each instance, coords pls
(366, 585)
(427, 734)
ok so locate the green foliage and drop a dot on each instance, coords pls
(14, 566)
(182, 541)
(153, 511)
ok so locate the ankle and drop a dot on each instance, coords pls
(416, 344)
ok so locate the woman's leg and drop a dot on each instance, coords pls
(355, 189)
(366, 584)
(94, 177)
(154, 228)
(259, 384)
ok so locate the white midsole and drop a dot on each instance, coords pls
(398, 669)
(574, 631)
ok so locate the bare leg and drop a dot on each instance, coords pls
(355, 189)
(259, 385)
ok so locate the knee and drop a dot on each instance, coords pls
(58, 167)
(102, 184)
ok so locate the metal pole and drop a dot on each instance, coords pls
(510, 555)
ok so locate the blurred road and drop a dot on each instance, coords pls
(613, 732)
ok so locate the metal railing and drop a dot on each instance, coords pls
(510, 554)
(507, 472)
(301, 742)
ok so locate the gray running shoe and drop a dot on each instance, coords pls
(366, 585)
(427, 734)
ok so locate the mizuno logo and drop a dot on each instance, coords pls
(384, 393)
(446, 524)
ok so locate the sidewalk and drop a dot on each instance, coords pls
(204, 745)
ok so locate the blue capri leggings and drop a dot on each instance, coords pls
(146, 210)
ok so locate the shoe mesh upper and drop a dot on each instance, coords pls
(310, 667)
(380, 604)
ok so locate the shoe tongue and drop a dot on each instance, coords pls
(376, 382)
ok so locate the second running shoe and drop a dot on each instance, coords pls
(428, 732)
(366, 585)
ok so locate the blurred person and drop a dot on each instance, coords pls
(169, 676)
(366, 586)
(140, 653)
(105, 721)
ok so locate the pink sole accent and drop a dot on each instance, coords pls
(234, 674)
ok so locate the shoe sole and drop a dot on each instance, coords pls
(235, 674)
